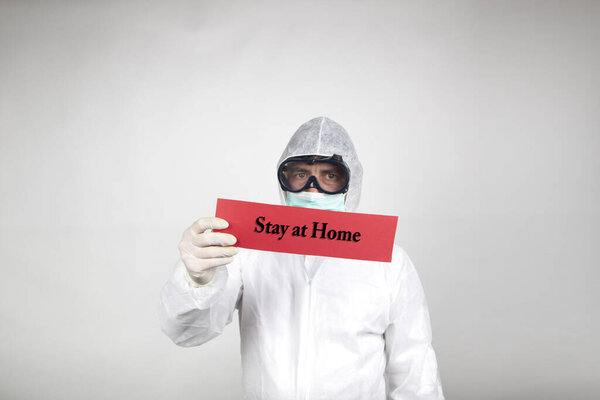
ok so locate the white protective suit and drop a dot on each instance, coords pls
(315, 327)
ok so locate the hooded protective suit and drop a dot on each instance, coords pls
(315, 327)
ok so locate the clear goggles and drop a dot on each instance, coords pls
(330, 175)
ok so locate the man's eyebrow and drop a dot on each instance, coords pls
(298, 169)
(332, 169)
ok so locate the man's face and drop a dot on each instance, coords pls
(331, 177)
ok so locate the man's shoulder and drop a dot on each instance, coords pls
(399, 255)
(401, 262)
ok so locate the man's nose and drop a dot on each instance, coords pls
(312, 190)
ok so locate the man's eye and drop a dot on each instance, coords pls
(300, 175)
(331, 176)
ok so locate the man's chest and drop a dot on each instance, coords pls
(342, 296)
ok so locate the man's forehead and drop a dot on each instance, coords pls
(300, 165)
(308, 166)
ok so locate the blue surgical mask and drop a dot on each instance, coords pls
(322, 201)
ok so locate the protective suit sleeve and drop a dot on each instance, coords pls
(191, 316)
(412, 370)
(195, 284)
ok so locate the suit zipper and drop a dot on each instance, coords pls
(306, 348)
(303, 381)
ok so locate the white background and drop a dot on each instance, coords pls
(477, 123)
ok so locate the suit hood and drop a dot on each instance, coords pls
(322, 136)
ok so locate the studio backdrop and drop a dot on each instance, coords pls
(122, 122)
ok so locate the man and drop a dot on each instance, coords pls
(311, 327)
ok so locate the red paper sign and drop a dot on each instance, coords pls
(309, 231)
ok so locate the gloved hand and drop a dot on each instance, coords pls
(202, 250)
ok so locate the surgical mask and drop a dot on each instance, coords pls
(321, 201)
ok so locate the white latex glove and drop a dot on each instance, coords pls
(202, 250)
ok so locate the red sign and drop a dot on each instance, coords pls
(309, 231)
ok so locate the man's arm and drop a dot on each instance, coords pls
(412, 371)
(205, 287)
(192, 314)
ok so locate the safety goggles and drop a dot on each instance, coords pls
(330, 175)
